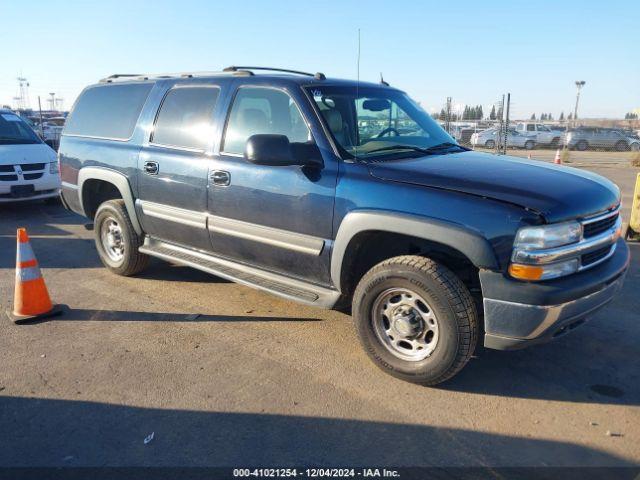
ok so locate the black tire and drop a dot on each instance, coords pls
(131, 261)
(490, 144)
(622, 146)
(555, 142)
(448, 299)
(529, 144)
(52, 200)
(582, 145)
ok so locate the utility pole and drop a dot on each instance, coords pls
(506, 124)
(52, 101)
(579, 85)
(41, 125)
(447, 119)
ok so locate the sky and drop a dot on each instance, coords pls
(472, 51)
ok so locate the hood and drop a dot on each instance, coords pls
(26, 153)
(556, 192)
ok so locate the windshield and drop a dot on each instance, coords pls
(14, 130)
(378, 122)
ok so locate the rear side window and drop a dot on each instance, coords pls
(258, 110)
(108, 111)
(184, 119)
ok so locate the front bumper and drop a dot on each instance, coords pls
(519, 314)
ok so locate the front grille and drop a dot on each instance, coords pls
(8, 178)
(32, 176)
(30, 167)
(593, 257)
(595, 228)
(6, 168)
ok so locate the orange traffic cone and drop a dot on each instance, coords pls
(31, 300)
(557, 160)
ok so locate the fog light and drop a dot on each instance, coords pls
(543, 272)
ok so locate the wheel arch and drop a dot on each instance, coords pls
(88, 176)
(359, 227)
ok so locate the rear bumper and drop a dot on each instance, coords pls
(520, 314)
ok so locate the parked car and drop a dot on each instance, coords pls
(543, 135)
(28, 167)
(489, 138)
(584, 138)
(266, 180)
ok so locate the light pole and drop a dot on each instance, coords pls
(579, 85)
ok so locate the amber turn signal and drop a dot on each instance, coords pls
(525, 272)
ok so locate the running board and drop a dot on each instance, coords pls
(280, 285)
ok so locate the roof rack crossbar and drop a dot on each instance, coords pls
(317, 75)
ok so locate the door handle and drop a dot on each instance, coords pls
(220, 178)
(151, 168)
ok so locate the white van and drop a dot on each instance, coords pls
(28, 166)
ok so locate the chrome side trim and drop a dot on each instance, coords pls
(550, 255)
(174, 214)
(271, 236)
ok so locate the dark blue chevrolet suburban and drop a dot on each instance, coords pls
(345, 195)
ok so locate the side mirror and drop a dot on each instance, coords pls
(277, 151)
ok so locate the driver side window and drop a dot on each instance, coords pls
(259, 110)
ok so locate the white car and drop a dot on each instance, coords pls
(28, 166)
(488, 139)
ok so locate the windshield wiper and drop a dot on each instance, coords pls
(443, 146)
(399, 147)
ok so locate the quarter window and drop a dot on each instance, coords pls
(108, 111)
(184, 119)
(260, 111)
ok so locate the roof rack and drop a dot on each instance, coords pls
(317, 75)
(145, 76)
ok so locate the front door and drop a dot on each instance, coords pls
(277, 218)
(173, 167)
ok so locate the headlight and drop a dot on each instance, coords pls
(53, 167)
(548, 236)
(538, 239)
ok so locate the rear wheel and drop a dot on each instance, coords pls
(555, 142)
(529, 144)
(582, 145)
(635, 147)
(490, 144)
(117, 241)
(415, 319)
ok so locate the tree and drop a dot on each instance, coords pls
(443, 114)
(480, 115)
(549, 116)
(562, 116)
(533, 116)
(492, 115)
(570, 117)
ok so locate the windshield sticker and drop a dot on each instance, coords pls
(317, 94)
(10, 117)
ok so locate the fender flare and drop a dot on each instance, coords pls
(469, 242)
(119, 180)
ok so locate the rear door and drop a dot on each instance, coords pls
(173, 165)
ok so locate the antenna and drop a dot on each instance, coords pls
(357, 95)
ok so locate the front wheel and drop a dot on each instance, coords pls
(622, 146)
(529, 144)
(490, 144)
(415, 319)
(117, 241)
